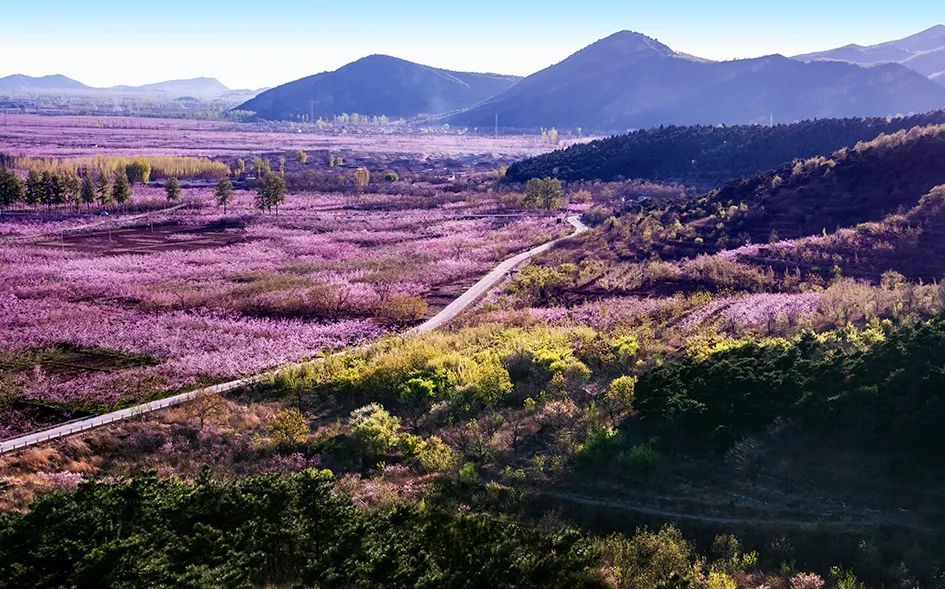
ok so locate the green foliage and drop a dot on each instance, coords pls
(889, 388)
(648, 559)
(87, 192)
(708, 155)
(544, 285)
(172, 189)
(544, 193)
(391, 177)
(599, 445)
(618, 398)
(402, 309)
(301, 157)
(121, 188)
(845, 579)
(435, 456)
(375, 428)
(642, 459)
(223, 193)
(271, 531)
(138, 170)
(12, 189)
(271, 192)
(468, 474)
(288, 428)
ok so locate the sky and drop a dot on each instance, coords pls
(256, 44)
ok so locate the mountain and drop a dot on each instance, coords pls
(198, 87)
(628, 81)
(704, 155)
(53, 83)
(923, 52)
(378, 85)
(59, 84)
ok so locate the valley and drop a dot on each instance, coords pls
(626, 317)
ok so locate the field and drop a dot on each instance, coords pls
(69, 136)
(101, 312)
(767, 408)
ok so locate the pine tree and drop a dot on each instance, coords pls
(121, 188)
(11, 188)
(104, 190)
(224, 193)
(87, 191)
(34, 188)
(172, 189)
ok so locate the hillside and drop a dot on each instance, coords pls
(52, 83)
(813, 197)
(705, 156)
(923, 52)
(630, 81)
(191, 87)
(377, 85)
(851, 186)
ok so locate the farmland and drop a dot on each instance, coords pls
(101, 312)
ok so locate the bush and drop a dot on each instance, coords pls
(647, 559)
(391, 177)
(288, 427)
(402, 309)
(172, 189)
(643, 459)
(375, 428)
(544, 193)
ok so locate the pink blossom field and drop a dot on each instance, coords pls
(71, 136)
(160, 303)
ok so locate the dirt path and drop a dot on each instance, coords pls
(870, 521)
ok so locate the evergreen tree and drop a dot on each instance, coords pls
(71, 189)
(271, 192)
(223, 193)
(172, 189)
(121, 188)
(103, 190)
(34, 188)
(11, 188)
(87, 191)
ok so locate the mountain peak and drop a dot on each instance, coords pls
(626, 43)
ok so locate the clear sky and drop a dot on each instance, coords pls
(265, 43)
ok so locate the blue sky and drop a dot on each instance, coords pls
(254, 44)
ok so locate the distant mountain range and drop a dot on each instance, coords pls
(623, 82)
(378, 85)
(59, 84)
(923, 52)
(630, 81)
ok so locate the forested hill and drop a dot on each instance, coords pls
(707, 156)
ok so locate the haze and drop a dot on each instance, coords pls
(250, 45)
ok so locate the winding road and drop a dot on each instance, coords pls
(469, 297)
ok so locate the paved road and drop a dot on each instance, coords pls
(490, 280)
(446, 314)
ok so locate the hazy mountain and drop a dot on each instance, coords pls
(378, 85)
(923, 52)
(198, 87)
(53, 83)
(630, 81)
(58, 84)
